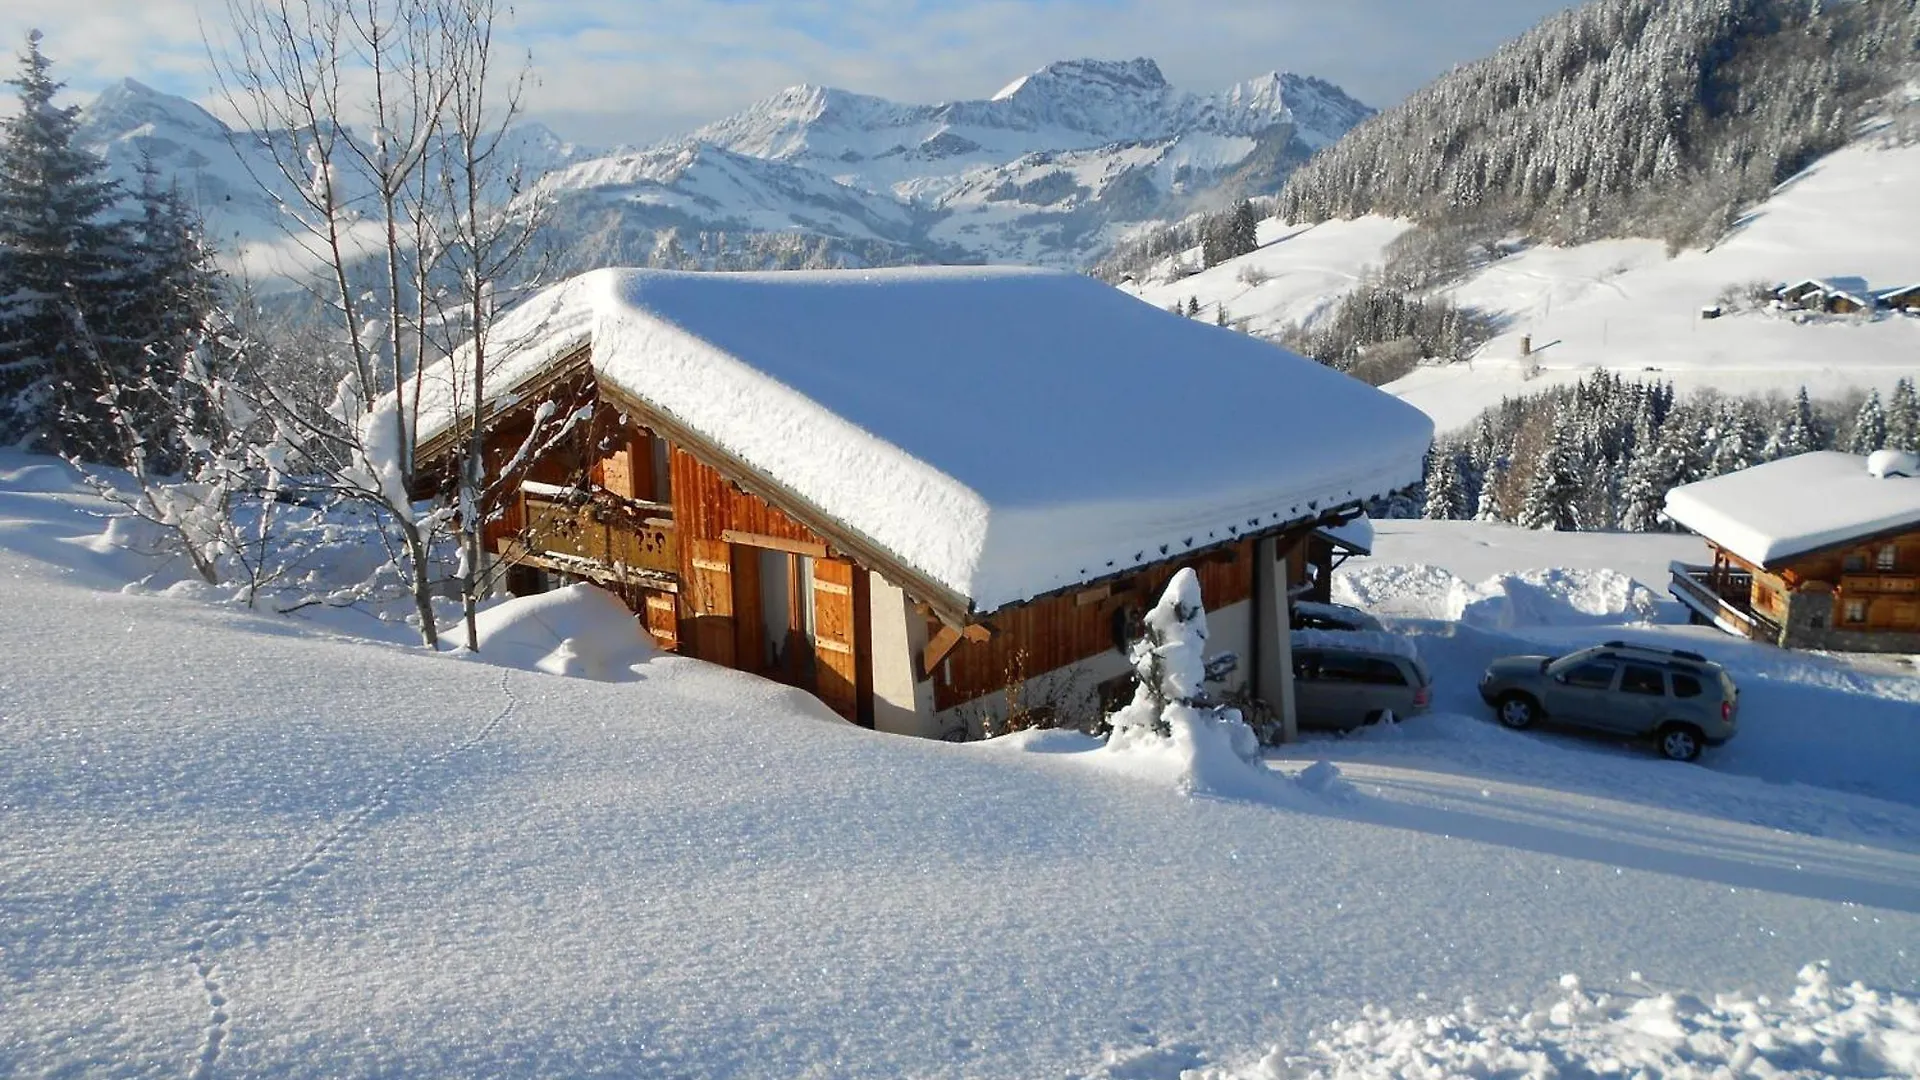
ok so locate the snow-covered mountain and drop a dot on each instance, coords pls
(1049, 170)
(221, 170)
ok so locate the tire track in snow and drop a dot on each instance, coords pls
(201, 936)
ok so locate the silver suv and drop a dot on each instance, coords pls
(1681, 698)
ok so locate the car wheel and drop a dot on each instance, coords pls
(1517, 711)
(1680, 742)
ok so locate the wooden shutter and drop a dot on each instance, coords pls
(709, 599)
(663, 620)
(836, 637)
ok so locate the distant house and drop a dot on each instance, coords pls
(1813, 551)
(1834, 296)
(1906, 298)
(925, 496)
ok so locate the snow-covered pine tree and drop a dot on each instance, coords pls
(1903, 418)
(1446, 491)
(1801, 432)
(1869, 426)
(1738, 439)
(1170, 699)
(55, 251)
(1553, 491)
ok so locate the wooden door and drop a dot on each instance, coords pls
(709, 601)
(836, 638)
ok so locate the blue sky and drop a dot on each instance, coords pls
(636, 70)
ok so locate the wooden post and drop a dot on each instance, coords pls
(1273, 666)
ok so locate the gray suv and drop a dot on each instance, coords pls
(1682, 699)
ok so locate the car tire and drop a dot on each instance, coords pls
(1516, 711)
(1681, 742)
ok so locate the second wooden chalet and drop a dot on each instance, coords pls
(926, 496)
(1818, 551)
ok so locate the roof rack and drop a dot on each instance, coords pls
(1681, 654)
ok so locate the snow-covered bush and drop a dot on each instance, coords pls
(1171, 713)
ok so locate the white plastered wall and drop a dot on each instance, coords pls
(902, 705)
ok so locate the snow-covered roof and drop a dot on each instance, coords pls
(1796, 505)
(1003, 432)
(1355, 535)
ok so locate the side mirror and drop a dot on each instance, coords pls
(1561, 678)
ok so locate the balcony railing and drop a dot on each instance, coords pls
(1896, 584)
(599, 533)
(1723, 597)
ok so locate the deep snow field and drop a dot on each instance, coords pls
(1626, 305)
(238, 844)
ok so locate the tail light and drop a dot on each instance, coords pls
(1726, 711)
(1421, 697)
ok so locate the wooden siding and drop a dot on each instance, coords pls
(1890, 595)
(1053, 633)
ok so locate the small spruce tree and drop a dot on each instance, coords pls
(1869, 426)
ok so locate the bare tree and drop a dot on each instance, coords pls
(384, 139)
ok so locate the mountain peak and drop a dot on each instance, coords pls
(1138, 74)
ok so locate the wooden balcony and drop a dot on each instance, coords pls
(1722, 597)
(594, 534)
(1880, 584)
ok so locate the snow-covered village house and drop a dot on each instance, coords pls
(907, 491)
(1818, 551)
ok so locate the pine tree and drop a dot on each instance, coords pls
(1903, 418)
(1446, 494)
(1553, 491)
(1799, 435)
(56, 270)
(1869, 426)
(1193, 307)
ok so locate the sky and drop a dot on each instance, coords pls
(635, 71)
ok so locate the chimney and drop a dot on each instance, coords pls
(1526, 345)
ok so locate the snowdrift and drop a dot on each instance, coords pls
(581, 631)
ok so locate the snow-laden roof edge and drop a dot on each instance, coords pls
(1795, 506)
(996, 497)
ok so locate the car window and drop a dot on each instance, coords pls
(1306, 665)
(1384, 673)
(1592, 675)
(1337, 668)
(1687, 686)
(1641, 679)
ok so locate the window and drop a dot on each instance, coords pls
(1856, 611)
(1593, 675)
(1687, 686)
(1384, 673)
(1306, 665)
(1641, 679)
(1887, 558)
(1854, 563)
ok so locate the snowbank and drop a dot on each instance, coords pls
(1530, 598)
(866, 394)
(1822, 1029)
(581, 631)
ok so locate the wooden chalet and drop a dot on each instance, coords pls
(1834, 296)
(929, 497)
(1815, 551)
(1906, 298)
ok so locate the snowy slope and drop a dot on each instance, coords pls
(239, 846)
(1625, 305)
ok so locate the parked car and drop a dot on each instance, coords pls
(1308, 615)
(1681, 699)
(1343, 679)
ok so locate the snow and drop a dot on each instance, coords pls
(1374, 641)
(975, 422)
(580, 630)
(1355, 534)
(239, 844)
(1625, 306)
(1789, 507)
